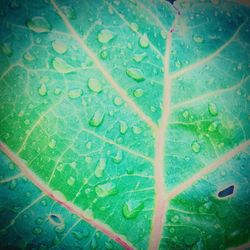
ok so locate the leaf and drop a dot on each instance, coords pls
(130, 117)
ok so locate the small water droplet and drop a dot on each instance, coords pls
(37, 230)
(198, 39)
(139, 57)
(97, 119)
(118, 157)
(185, 114)
(71, 181)
(212, 109)
(143, 41)
(89, 145)
(213, 126)
(171, 230)
(118, 101)
(138, 92)
(226, 192)
(94, 85)
(93, 244)
(132, 208)
(136, 130)
(12, 185)
(52, 143)
(55, 219)
(80, 235)
(175, 218)
(135, 74)
(104, 54)
(42, 90)
(6, 49)
(44, 203)
(59, 46)
(106, 189)
(100, 166)
(105, 36)
(196, 147)
(69, 12)
(61, 66)
(178, 64)
(38, 24)
(57, 91)
(123, 127)
(134, 27)
(75, 93)
(39, 221)
(28, 57)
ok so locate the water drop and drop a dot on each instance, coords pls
(105, 36)
(212, 109)
(61, 66)
(93, 244)
(28, 57)
(108, 245)
(118, 101)
(136, 130)
(97, 119)
(94, 85)
(71, 181)
(38, 24)
(75, 93)
(135, 74)
(123, 127)
(117, 158)
(42, 90)
(213, 126)
(134, 27)
(198, 39)
(80, 235)
(185, 114)
(52, 143)
(12, 185)
(69, 12)
(171, 230)
(104, 54)
(100, 166)
(59, 46)
(196, 147)
(226, 192)
(143, 41)
(37, 230)
(139, 57)
(106, 189)
(132, 208)
(57, 91)
(138, 92)
(55, 219)
(6, 49)
(175, 218)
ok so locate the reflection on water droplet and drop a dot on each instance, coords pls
(59, 46)
(134, 27)
(69, 12)
(106, 189)
(97, 119)
(52, 143)
(93, 244)
(6, 49)
(38, 24)
(139, 57)
(105, 36)
(135, 74)
(71, 181)
(94, 85)
(171, 230)
(100, 166)
(42, 90)
(61, 66)
(212, 108)
(132, 208)
(138, 92)
(198, 39)
(75, 93)
(143, 41)
(196, 147)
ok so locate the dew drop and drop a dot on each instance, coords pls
(59, 46)
(61, 66)
(37, 230)
(94, 85)
(138, 92)
(198, 39)
(139, 57)
(118, 101)
(55, 219)
(60, 167)
(105, 36)
(42, 90)
(104, 54)
(71, 181)
(52, 143)
(185, 114)
(106, 189)
(100, 166)
(123, 127)
(6, 49)
(196, 147)
(135, 74)
(136, 130)
(134, 27)
(143, 41)
(226, 192)
(60, 228)
(39, 221)
(12, 185)
(97, 119)
(57, 91)
(80, 235)
(213, 126)
(75, 93)
(28, 57)
(175, 218)
(117, 158)
(69, 12)
(212, 109)
(38, 24)
(132, 208)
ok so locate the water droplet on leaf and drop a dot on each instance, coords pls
(6, 49)
(135, 74)
(38, 24)
(94, 85)
(143, 41)
(52, 143)
(59, 46)
(117, 158)
(61, 66)
(106, 189)
(96, 119)
(138, 92)
(100, 166)
(139, 57)
(212, 108)
(196, 147)
(132, 208)
(69, 12)
(136, 130)
(105, 36)
(75, 93)
(71, 181)
(28, 57)
(37, 230)
(118, 101)
(226, 192)
(42, 90)
(123, 127)
(198, 39)
(134, 27)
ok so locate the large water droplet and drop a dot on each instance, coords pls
(132, 208)
(6, 49)
(96, 119)
(106, 189)
(61, 66)
(100, 166)
(105, 36)
(59, 46)
(71, 181)
(38, 24)
(138, 92)
(135, 74)
(212, 108)
(226, 192)
(123, 127)
(94, 85)
(139, 57)
(75, 93)
(143, 41)
(42, 90)
(69, 12)
(196, 147)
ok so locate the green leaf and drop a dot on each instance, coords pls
(130, 119)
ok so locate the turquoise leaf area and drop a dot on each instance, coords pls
(124, 124)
